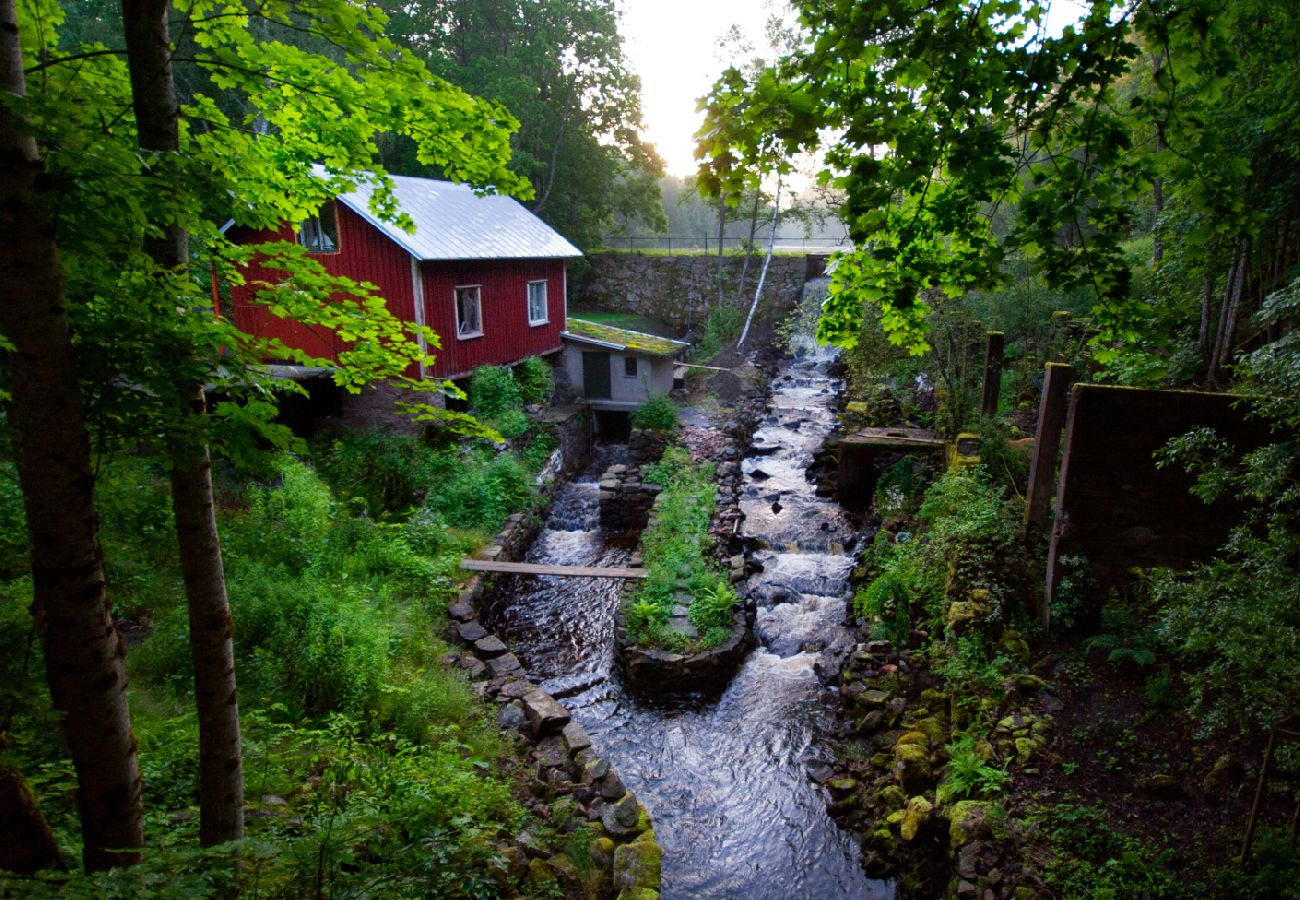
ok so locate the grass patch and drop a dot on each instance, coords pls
(675, 551)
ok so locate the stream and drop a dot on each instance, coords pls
(726, 778)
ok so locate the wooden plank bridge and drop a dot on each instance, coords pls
(512, 568)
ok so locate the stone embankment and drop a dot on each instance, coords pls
(570, 782)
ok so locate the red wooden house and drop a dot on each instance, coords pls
(483, 272)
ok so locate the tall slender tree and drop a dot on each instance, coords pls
(221, 767)
(84, 654)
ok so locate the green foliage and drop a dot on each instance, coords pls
(13, 524)
(494, 390)
(1235, 622)
(559, 67)
(675, 553)
(1093, 860)
(536, 380)
(713, 605)
(968, 774)
(658, 412)
(391, 472)
(722, 327)
(972, 545)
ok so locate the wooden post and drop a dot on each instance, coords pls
(994, 342)
(1047, 444)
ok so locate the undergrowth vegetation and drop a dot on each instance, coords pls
(371, 767)
(675, 550)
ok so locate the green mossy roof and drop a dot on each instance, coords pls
(629, 340)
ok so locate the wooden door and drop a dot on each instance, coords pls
(595, 375)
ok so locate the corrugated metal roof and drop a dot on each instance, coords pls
(452, 222)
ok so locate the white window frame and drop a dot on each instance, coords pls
(478, 303)
(315, 224)
(546, 303)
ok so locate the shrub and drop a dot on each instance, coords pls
(968, 774)
(658, 413)
(390, 472)
(510, 424)
(723, 326)
(493, 391)
(535, 379)
(289, 524)
(13, 524)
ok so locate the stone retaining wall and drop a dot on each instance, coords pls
(646, 446)
(676, 289)
(571, 781)
(625, 500)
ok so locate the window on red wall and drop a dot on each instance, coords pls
(469, 312)
(320, 233)
(537, 311)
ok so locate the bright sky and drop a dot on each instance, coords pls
(672, 45)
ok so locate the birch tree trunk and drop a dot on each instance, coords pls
(84, 654)
(221, 772)
(767, 261)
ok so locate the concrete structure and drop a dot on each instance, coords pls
(617, 369)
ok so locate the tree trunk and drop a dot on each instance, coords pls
(84, 655)
(1234, 310)
(1207, 309)
(26, 843)
(1222, 351)
(749, 247)
(1158, 198)
(221, 772)
(722, 233)
(767, 261)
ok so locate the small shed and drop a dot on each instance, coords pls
(615, 368)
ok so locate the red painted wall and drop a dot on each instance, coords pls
(503, 291)
(367, 255)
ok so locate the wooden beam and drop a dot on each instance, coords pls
(894, 439)
(994, 343)
(1047, 444)
(483, 565)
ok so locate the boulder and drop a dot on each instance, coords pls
(637, 865)
(512, 717)
(915, 817)
(575, 738)
(471, 631)
(504, 665)
(620, 818)
(611, 786)
(545, 715)
(968, 821)
(490, 647)
(912, 765)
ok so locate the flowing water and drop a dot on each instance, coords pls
(724, 778)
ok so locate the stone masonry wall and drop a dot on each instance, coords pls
(571, 780)
(668, 287)
(625, 500)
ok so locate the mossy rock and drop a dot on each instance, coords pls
(892, 797)
(915, 817)
(638, 894)
(931, 728)
(541, 878)
(565, 871)
(638, 864)
(912, 764)
(968, 820)
(919, 738)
